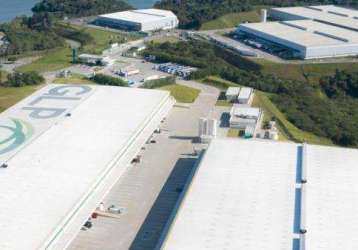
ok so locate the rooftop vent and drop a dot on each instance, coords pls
(4, 165)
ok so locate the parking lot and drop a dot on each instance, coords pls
(145, 68)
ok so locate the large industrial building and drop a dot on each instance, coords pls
(250, 194)
(145, 20)
(61, 150)
(306, 32)
(329, 14)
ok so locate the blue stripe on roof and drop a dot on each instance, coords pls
(297, 213)
(298, 199)
(299, 164)
(296, 244)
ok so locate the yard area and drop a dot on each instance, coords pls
(182, 93)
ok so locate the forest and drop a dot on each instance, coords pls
(79, 8)
(335, 115)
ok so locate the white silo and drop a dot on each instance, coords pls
(263, 16)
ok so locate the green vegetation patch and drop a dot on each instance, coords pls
(287, 129)
(93, 40)
(73, 79)
(164, 39)
(231, 20)
(310, 72)
(53, 60)
(233, 132)
(11, 95)
(182, 93)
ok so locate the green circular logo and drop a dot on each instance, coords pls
(17, 133)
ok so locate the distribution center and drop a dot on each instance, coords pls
(251, 194)
(145, 20)
(61, 150)
(306, 32)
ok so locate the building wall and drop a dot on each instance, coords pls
(331, 51)
(266, 36)
(163, 23)
(118, 24)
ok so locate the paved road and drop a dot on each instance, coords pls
(150, 189)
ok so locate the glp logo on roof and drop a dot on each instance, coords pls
(42, 111)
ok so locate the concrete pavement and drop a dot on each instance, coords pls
(149, 190)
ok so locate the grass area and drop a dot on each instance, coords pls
(53, 60)
(218, 82)
(286, 128)
(101, 38)
(73, 79)
(182, 93)
(3, 75)
(164, 39)
(231, 20)
(310, 72)
(233, 132)
(224, 103)
(10, 95)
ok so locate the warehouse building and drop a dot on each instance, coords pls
(245, 96)
(251, 194)
(242, 116)
(61, 151)
(232, 93)
(329, 14)
(305, 32)
(145, 20)
(305, 39)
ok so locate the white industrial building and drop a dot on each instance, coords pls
(329, 14)
(61, 150)
(255, 194)
(306, 32)
(242, 117)
(232, 93)
(95, 59)
(144, 20)
(245, 96)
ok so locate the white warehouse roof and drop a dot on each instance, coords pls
(230, 203)
(65, 146)
(245, 93)
(311, 38)
(250, 194)
(305, 33)
(233, 91)
(239, 110)
(331, 14)
(140, 16)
